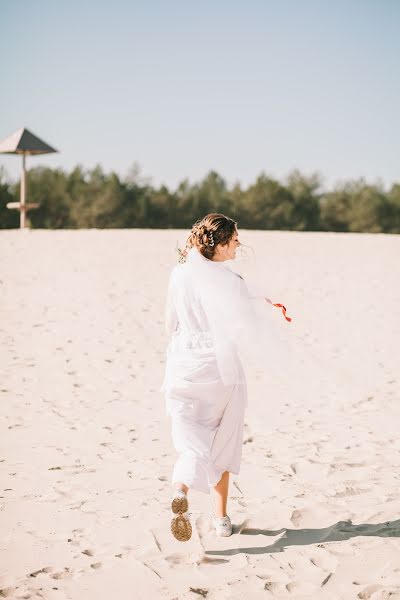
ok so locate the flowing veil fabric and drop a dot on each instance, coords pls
(246, 328)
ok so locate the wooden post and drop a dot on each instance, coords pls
(23, 193)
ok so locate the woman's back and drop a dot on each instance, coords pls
(185, 311)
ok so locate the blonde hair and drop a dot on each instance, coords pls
(208, 232)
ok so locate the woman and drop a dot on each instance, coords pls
(210, 318)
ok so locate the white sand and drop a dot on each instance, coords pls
(86, 454)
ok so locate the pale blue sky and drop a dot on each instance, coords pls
(183, 87)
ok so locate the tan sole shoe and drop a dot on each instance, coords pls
(179, 504)
(181, 528)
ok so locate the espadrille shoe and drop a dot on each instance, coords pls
(222, 526)
(179, 502)
(181, 527)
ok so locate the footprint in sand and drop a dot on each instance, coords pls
(201, 591)
(351, 491)
(275, 587)
(67, 572)
(78, 536)
(44, 570)
(370, 590)
(7, 592)
(296, 517)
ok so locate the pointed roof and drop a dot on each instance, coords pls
(24, 142)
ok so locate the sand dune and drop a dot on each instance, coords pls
(86, 455)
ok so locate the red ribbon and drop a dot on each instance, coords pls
(280, 306)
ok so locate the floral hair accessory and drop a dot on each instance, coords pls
(182, 254)
(211, 239)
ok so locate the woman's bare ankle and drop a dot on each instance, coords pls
(181, 487)
(220, 513)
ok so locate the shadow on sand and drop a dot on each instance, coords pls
(339, 532)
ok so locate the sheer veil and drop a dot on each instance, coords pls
(247, 328)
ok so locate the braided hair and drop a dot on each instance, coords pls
(213, 229)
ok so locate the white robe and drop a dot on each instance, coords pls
(207, 416)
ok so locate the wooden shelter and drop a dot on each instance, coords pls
(24, 142)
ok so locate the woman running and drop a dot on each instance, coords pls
(209, 317)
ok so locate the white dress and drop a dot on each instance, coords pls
(207, 416)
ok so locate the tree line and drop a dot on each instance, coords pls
(92, 198)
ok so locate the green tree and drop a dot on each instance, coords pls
(93, 198)
(9, 218)
(392, 216)
(334, 210)
(48, 187)
(367, 208)
(305, 194)
(267, 205)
